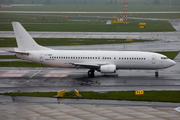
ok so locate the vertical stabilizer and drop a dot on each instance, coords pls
(24, 41)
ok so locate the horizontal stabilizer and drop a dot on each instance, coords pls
(22, 53)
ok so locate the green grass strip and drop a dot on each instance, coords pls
(155, 96)
(91, 26)
(8, 57)
(11, 42)
(169, 54)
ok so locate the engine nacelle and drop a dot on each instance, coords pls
(108, 69)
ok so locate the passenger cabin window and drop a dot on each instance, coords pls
(132, 58)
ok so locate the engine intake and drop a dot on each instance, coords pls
(108, 69)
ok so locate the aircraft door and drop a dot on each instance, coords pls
(41, 58)
(153, 59)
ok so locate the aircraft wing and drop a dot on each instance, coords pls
(86, 65)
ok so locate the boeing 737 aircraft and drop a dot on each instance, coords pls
(101, 61)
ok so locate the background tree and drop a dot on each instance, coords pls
(32, 2)
(157, 2)
(92, 2)
(47, 2)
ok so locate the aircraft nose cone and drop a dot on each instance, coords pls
(172, 63)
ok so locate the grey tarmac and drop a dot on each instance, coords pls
(55, 111)
(108, 35)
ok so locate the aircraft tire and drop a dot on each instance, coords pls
(90, 73)
(156, 74)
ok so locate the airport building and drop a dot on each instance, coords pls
(118, 20)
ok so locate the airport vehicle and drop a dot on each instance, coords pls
(101, 61)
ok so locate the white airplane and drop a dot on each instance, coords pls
(101, 61)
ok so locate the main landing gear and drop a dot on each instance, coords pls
(156, 74)
(91, 73)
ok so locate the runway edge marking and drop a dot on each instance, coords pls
(17, 72)
(11, 75)
(177, 109)
(36, 73)
(1, 51)
(56, 75)
(56, 72)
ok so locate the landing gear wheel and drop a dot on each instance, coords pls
(156, 74)
(91, 73)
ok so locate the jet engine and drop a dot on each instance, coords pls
(108, 69)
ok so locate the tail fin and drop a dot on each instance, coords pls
(24, 41)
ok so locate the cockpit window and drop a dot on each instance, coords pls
(164, 58)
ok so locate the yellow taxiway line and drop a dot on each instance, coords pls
(36, 73)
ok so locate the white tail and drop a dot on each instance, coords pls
(24, 41)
